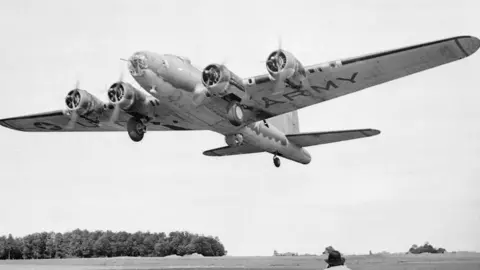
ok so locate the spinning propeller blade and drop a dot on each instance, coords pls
(73, 102)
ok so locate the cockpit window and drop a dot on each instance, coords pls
(181, 58)
(184, 59)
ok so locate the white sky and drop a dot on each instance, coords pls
(417, 181)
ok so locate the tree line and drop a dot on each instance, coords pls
(426, 248)
(85, 244)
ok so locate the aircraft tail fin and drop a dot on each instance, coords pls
(316, 138)
(287, 123)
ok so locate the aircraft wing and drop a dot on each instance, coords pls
(58, 121)
(316, 138)
(342, 77)
(230, 151)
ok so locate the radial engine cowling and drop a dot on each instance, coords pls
(82, 102)
(131, 99)
(282, 65)
(220, 81)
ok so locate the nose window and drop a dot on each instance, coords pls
(137, 63)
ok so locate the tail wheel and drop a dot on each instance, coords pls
(136, 129)
(276, 161)
(235, 114)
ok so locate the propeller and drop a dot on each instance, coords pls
(212, 75)
(224, 62)
(73, 102)
(278, 62)
(279, 45)
(277, 55)
(122, 75)
(115, 95)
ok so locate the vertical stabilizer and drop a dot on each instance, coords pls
(286, 123)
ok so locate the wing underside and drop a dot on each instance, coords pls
(337, 78)
(59, 121)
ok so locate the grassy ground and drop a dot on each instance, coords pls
(384, 262)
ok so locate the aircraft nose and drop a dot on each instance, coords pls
(137, 63)
(469, 44)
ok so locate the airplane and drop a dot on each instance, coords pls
(255, 114)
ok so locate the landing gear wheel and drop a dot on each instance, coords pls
(276, 161)
(235, 114)
(136, 129)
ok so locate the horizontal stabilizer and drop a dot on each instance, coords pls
(316, 138)
(230, 151)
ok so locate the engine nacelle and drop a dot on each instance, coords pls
(234, 140)
(83, 103)
(220, 81)
(131, 99)
(282, 65)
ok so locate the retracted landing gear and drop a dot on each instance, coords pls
(235, 114)
(276, 161)
(136, 129)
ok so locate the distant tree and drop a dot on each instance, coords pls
(162, 249)
(203, 246)
(217, 247)
(50, 246)
(149, 244)
(27, 247)
(86, 247)
(3, 246)
(176, 242)
(39, 245)
(138, 248)
(426, 248)
(75, 247)
(12, 248)
(120, 248)
(57, 246)
(102, 247)
(65, 246)
(191, 248)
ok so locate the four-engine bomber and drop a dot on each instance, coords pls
(255, 114)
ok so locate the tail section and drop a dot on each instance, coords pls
(286, 123)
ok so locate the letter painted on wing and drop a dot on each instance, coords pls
(328, 86)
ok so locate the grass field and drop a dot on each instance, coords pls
(466, 261)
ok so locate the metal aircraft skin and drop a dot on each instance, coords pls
(257, 114)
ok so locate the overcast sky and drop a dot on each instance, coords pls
(417, 181)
